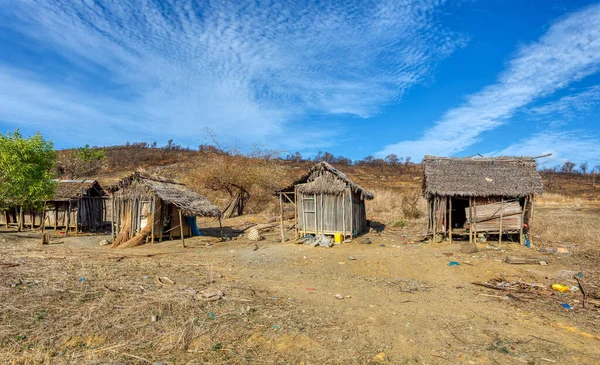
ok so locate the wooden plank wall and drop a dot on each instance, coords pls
(330, 213)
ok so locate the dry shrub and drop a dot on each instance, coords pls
(395, 206)
(227, 175)
(410, 205)
(550, 199)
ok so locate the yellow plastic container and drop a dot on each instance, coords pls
(337, 237)
(560, 288)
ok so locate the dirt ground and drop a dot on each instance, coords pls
(75, 302)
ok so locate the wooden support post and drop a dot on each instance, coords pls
(44, 218)
(68, 218)
(32, 217)
(521, 238)
(153, 215)
(434, 217)
(77, 216)
(322, 216)
(316, 222)
(221, 227)
(501, 217)
(181, 229)
(470, 220)
(344, 215)
(281, 217)
(55, 216)
(20, 225)
(112, 219)
(6, 216)
(475, 219)
(450, 219)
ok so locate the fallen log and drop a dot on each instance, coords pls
(515, 260)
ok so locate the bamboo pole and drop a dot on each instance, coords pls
(281, 217)
(450, 219)
(181, 229)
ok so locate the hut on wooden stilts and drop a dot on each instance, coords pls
(326, 202)
(470, 196)
(150, 207)
(78, 205)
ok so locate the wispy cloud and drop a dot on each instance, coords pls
(570, 105)
(575, 146)
(242, 68)
(566, 53)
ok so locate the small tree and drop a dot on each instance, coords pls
(568, 167)
(80, 162)
(392, 159)
(26, 166)
(583, 168)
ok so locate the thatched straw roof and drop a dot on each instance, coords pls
(190, 203)
(493, 176)
(323, 178)
(74, 189)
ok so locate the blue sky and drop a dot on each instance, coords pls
(355, 78)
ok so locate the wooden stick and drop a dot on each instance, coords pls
(181, 229)
(68, 219)
(221, 228)
(55, 216)
(281, 217)
(44, 218)
(523, 221)
(153, 214)
(470, 220)
(475, 219)
(434, 217)
(450, 219)
(112, 219)
(344, 215)
(316, 223)
(582, 291)
(501, 216)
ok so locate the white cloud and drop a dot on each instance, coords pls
(575, 146)
(568, 52)
(245, 70)
(570, 105)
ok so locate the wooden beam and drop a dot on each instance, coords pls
(316, 226)
(68, 218)
(344, 214)
(181, 228)
(112, 219)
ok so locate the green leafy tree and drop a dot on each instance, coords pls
(26, 171)
(80, 162)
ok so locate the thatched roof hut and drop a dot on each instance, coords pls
(76, 204)
(322, 178)
(154, 206)
(326, 201)
(142, 185)
(481, 177)
(75, 189)
(487, 194)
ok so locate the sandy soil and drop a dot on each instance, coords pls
(77, 302)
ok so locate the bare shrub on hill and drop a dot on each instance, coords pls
(254, 180)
